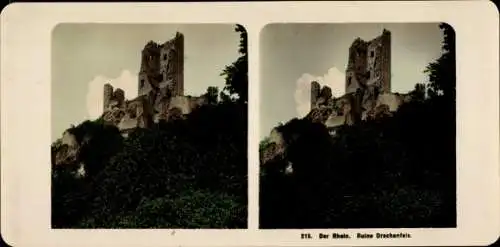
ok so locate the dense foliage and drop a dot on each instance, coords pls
(184, 173)
(397, 171)
(236, 74)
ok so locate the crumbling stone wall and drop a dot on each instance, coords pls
(119, 96)
(112, 99)
(368, 86)
(108, 95)
(369, 64)
(172, 64)
(356, 66)
(149, 77)
(162, 66)
(187, 103)
(315, 90)
(161, 90)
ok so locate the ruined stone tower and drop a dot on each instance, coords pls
(315, 90)
(160, 90)
(369, 64)
(108, 95)
(112, 97)
(162, 67)
(367, 87)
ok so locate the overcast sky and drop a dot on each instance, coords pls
(86, 56)
(292, 55)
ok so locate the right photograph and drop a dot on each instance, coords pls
(357, 126)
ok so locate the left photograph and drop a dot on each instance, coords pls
(149, 126)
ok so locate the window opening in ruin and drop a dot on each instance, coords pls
(165, 57)
(372, 54)
(142, 83)
(348, 81)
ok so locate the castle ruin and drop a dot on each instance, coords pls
(160, 89)
(367, 87)
(367, 94)
(162, 67)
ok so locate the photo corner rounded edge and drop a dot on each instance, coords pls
(7, 238)
(3, 241)
(494, 239)
(494, 6)
(242, 25)
(7, 9)
(263, 28)
(54, 29)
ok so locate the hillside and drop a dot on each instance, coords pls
(394, 171)
(189, 171)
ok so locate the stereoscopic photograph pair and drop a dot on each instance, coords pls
(357, 126)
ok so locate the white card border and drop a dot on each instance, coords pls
(25, 120)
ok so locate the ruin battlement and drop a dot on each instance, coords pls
(160, 89)
(162, 66)
(367, 86)
(369, 64)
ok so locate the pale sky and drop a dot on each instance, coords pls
(292, 55)
(86, 56)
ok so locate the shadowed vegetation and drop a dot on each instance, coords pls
(184, 173)
(391, 172)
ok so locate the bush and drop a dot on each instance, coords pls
(394, 172)
(188, 173)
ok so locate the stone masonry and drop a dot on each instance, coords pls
(367, 94)
(367, 86)
(160, 97)
(369, 64)
(160, 89)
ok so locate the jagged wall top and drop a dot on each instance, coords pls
(369, 64)
(161, 89)
(162, 66)
(368, 86)
(112, 97)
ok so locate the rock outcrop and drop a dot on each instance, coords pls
(275, 148)
(66, 149)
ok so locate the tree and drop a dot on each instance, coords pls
(164, 176)
(212, 95)
(236, 74)
(159, 177)
(418, 93)
(397, 171)
(442, 72)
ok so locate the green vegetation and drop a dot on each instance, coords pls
(236, 74)
(186, 173)
(393, 172)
